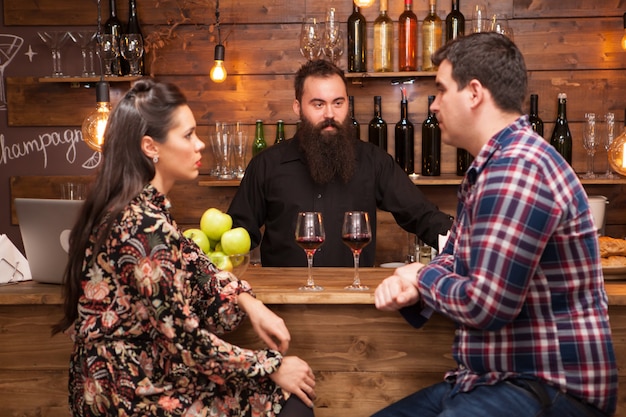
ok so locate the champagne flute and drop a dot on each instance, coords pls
(356, 233)
(310, 236)
(609, 135)
(590, 143)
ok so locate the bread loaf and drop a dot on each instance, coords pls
(610, 246)
(613, 261)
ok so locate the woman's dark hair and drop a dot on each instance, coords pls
(316, 68)
(146, 110)
(494, 60)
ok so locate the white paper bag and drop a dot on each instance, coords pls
(13, 265)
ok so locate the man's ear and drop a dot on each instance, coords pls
(296, 107)
(476, 91)
(149, 146)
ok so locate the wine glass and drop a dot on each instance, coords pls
(110, 50)
(608, 137)
(311, 38)
(356, 233)
(480, 20)
(55, 40)
(333, 44)
(131, 47)
(310, 236)
(85, 40)
(500, 23)
(590, 143)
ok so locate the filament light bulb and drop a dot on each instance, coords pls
(364, 3)
(218, 72)
(624, 35)
(95, 123)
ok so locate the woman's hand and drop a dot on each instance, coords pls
(399, 290)
(296, 377)
(270, 327)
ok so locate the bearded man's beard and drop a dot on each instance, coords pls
(328, 155)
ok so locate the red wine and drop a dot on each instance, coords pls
(357, 241)
(310, 243)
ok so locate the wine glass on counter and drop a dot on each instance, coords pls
(590, 143)
(309, 236)
(356, 234)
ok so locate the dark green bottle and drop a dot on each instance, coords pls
(357, 41)
(561, 137)
(259, 139)
(405, 139)
(280, 132)
(431, 143)
(378, 127)
(355, 123)
(533, 116)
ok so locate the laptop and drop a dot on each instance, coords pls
(45, 225)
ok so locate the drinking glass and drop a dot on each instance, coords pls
(85, 39)
(590, 143)
(240, 146)
(221, 143)
(480, 20)
(333, 44)
(609, 135)
(311, 38)
(9, 46)
(310, 236)
(55, 40)
(356, 233)
(500, 23)
(131, 48)
(110, 50)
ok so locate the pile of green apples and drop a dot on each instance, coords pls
(225, 245)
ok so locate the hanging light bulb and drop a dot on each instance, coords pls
(95, 123)
(364, 3)
(218, 72)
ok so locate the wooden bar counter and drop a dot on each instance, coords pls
(363, 358)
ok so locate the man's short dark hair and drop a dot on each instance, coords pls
(316, 68)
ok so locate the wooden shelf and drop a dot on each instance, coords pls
(404, 77)
(444, 179)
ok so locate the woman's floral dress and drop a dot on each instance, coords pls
(145, 342)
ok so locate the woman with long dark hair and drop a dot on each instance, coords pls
(145, 306)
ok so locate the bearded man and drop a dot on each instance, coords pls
(325, 168)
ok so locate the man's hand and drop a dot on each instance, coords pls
(399, 290)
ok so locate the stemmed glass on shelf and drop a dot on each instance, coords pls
(131, 48)
(55, 40)
(311, 38)
(85, 39)
(590, 143)
(608, 137)
(333, 38)
(356, 233)
(110, 49)
(310, 236)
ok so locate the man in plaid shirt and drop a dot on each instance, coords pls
(520, 273)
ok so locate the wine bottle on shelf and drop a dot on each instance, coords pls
(378, 127)
(357, 41)
(407, 36)
(355, 123)
(280, 132)
(133, 28)
(431, 143)
(561, 137)
(431, 36)
(383, 40)
(259, 139)
(455, 22)
(405, 138)
(533, 116)
(463, 161)
(113, 26)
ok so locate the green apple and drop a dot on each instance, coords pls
(215, 222)
(222, 261)
(236, 241)
(200, 238)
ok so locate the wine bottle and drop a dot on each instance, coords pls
(405, 138)
(383, 40)
(431, 36)
(378, 127)
(431, 143)
(357, 41)
(533, 116)
(113, 26)
(407, 36)
(133, 28)
(355, 123)
(280, 132)
(561, 137)
(259, 139)
(463, 161)
(455, 22)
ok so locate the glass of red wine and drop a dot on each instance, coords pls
(310, 236)
(356, 233)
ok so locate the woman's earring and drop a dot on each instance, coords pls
(155, 158)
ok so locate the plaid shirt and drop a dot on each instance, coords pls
(521, 274)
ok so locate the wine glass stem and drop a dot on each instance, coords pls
(357, 279)
(309, 258)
